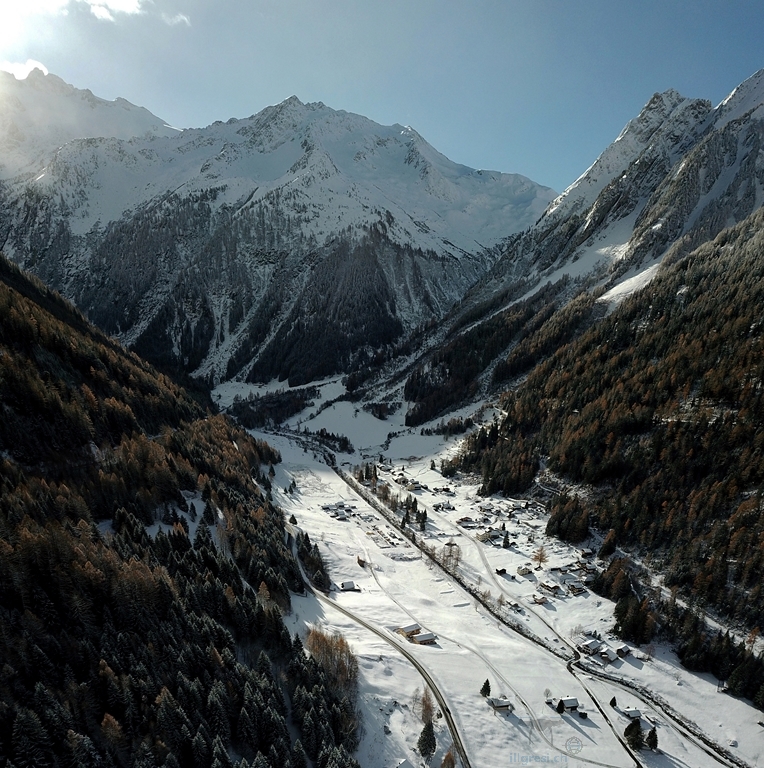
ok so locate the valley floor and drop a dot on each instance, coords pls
(398, 585)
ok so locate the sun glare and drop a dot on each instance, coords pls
(19, 70)
(18, 19)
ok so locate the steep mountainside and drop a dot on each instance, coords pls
(121, 645)
(677, 175)
(659, 408)
(213, 248)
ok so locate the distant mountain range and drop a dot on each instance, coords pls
(230, 250)
(303, 241)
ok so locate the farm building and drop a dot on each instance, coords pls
(409, 630)
(570, 703)
(608, 654)
(424, 638)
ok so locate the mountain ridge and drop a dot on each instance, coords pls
(190, 228)
(676, 176)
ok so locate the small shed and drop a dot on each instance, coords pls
(623, 650)
(539, 599)
(348, 586)
(501, 703)
(524, 569)
(632, 713)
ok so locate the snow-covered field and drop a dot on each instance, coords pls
(398, 585)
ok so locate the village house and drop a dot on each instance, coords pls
(424, 638)
(608, 654)
(589, 646)
(550, 588)
(409, 630)
(491, 534)
(623, 650)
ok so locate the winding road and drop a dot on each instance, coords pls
(673, 721)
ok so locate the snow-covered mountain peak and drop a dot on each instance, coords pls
(228, 239)
(668, 123)
(347, 170)
(42, 112)
(747, 96)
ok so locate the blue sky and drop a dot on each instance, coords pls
(537, 87)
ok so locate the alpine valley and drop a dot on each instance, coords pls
(307, 430)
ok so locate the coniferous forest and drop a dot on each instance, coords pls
(123, 649)
(659, 409)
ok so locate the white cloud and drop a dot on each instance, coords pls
(19, 18)
(178, 18)
(101, 12)
(13, 13)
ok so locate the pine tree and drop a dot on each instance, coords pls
(426, 744)
(220, 758)
(299, 758)
(31, 743)
(560, 706)
(505, 541)
(486, 689)
(613, 702)
(83, 751)
(634, 737)
(652, 739)
(200, 750)
(247, 730)
(608, 546)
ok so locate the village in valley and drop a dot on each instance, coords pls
(438, 588)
